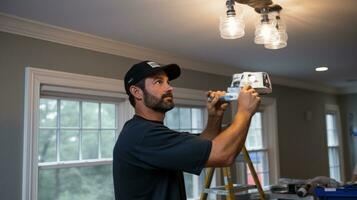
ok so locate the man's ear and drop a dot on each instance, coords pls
(136, 92)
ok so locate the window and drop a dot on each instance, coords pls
(188, 119)
(75, 142)
(258, 152)
(71, 124)
(334, 143)
(262, 145)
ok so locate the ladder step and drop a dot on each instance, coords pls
(220, 190)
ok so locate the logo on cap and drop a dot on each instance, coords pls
(131, 80)
(153, 64)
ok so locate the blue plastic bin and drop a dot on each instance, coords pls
(344, 193)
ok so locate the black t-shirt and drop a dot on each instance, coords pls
(149, 158)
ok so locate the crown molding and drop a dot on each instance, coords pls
(39, 30)
(348, 90)
(34, 29)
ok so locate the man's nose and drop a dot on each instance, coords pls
(169, 87)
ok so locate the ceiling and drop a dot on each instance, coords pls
(321, 32)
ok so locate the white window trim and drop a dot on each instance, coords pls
(270, 123)
(36, 77)
(331, 108)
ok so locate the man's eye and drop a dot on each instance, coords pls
(158, 82)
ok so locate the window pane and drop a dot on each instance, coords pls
(257, 120)
(255, 133)
(189, 185)
(69, 145)
(89, 144)
(90, 183)
(90, 117)
(185, 118)
(196, 131)
(332, 135)
(333, 146)
(261, 166)
(69, 114)
(335, 173)
(107, 143)
(108, 115)
(330, 138)
(333, 157)
(47, 146)
(172, 119)
(48, 113)
(329, 121)
(197, 118)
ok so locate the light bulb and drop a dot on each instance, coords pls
(231, 27)
(276, 45)
(265, 32)
(280, 39)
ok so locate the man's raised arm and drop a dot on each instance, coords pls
(227, 144)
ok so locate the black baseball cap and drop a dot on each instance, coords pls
(147, 68)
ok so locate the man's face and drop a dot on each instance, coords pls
(158, 93)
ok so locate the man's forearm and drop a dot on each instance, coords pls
(233, 142)
(227, 145)
(213, 127)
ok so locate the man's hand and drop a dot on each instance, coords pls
(215, 107)
(248, 100)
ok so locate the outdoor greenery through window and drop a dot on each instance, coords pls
(333, 146)
(192, 120)
(75, 144)
(256, 146)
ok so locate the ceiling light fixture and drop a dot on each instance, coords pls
(270, 31)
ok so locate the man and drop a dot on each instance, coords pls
(149, 158)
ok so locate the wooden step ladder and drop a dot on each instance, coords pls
(229, 189)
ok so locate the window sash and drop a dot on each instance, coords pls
(262, 170)
(69, 164)
(260, 148)
(262, 122)
(79, 131)
(334, 142)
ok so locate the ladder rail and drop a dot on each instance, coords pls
(228, 185)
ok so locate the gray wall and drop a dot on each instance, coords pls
(302, 142)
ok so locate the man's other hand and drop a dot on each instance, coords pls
(215, 107)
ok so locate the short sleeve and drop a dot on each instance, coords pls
(167, 149)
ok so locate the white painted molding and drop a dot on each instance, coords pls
(270, 118)
(38, 30)
(28, 166)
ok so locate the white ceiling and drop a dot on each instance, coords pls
(321, 32)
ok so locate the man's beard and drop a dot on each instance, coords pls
(156, 104)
